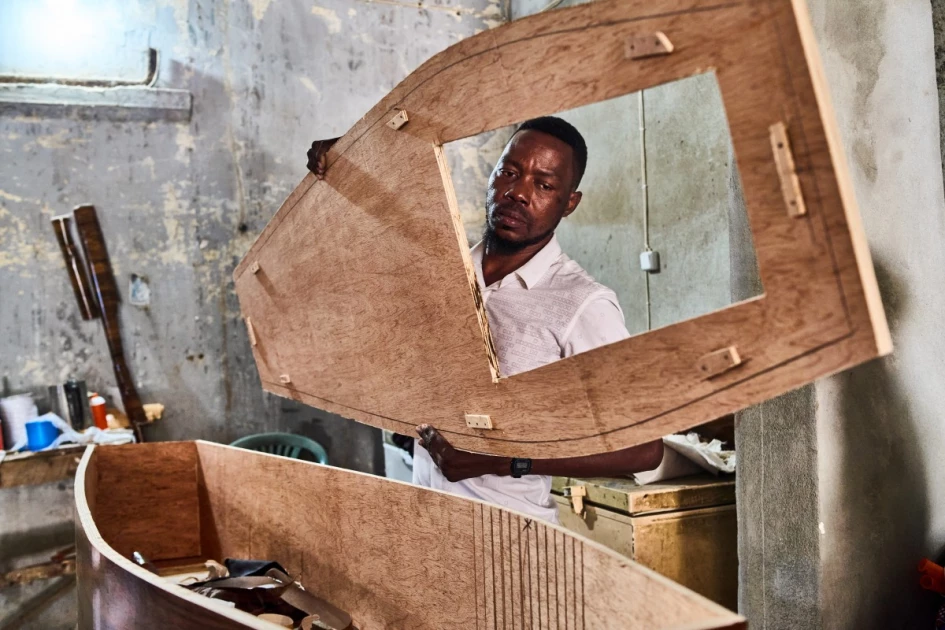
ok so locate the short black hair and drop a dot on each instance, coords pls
(566, 133)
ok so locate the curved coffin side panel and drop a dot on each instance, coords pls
(393, 555)
(360, 293)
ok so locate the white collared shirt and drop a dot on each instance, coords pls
(548, 309)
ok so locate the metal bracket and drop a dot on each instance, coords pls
(478, 421)
(718, 362)
(399, 120)
(652, 45)
(787, 172)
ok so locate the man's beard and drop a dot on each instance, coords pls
(494, 242)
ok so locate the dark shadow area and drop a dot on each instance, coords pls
(880, 517)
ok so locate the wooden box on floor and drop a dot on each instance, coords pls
(684, 529)
(393, 555)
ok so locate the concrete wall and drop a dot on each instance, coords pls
(181, 202)
(840, 483)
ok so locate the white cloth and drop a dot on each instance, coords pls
(548, 309)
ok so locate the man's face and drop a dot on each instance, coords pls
(531, 189)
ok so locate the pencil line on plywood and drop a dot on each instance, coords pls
(698, 399)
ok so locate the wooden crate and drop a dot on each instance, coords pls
(684, 530)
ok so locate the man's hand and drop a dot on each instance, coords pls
(457, 465)
(317, 157)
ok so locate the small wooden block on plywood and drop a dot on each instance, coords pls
(395, 345)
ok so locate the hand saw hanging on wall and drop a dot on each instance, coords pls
(97, 294)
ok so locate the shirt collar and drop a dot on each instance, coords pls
(529, 273)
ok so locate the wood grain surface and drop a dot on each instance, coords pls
(363, 294)
(393, 555)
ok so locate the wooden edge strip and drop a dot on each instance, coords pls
(467, 261)
(828, 117)
(251, 331)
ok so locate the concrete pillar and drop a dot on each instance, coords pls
(839, 483)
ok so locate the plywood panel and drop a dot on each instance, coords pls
(363, 295)
(157, 515)
(392, 554)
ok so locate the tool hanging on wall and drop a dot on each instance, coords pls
(97, 293)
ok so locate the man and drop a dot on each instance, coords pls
(542, 306)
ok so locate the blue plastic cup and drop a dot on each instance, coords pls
(40, 434)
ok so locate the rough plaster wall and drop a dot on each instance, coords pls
(181, 202)
(865, 445)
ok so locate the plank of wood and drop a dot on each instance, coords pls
(394, 555)
(364, 293)
(28, 469)
(157, 516)
(626, 496)
(105, 292)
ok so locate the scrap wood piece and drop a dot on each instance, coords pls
(787, 171)
(105, 291)
(36, 572)
(75, 267)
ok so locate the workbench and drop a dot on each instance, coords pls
(30, 469)
(684, 529)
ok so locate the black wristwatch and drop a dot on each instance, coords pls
(521, 466)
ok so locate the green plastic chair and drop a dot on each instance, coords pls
(284, 445)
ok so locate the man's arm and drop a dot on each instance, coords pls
(457, 465)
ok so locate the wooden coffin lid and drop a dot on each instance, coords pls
(360, 294)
